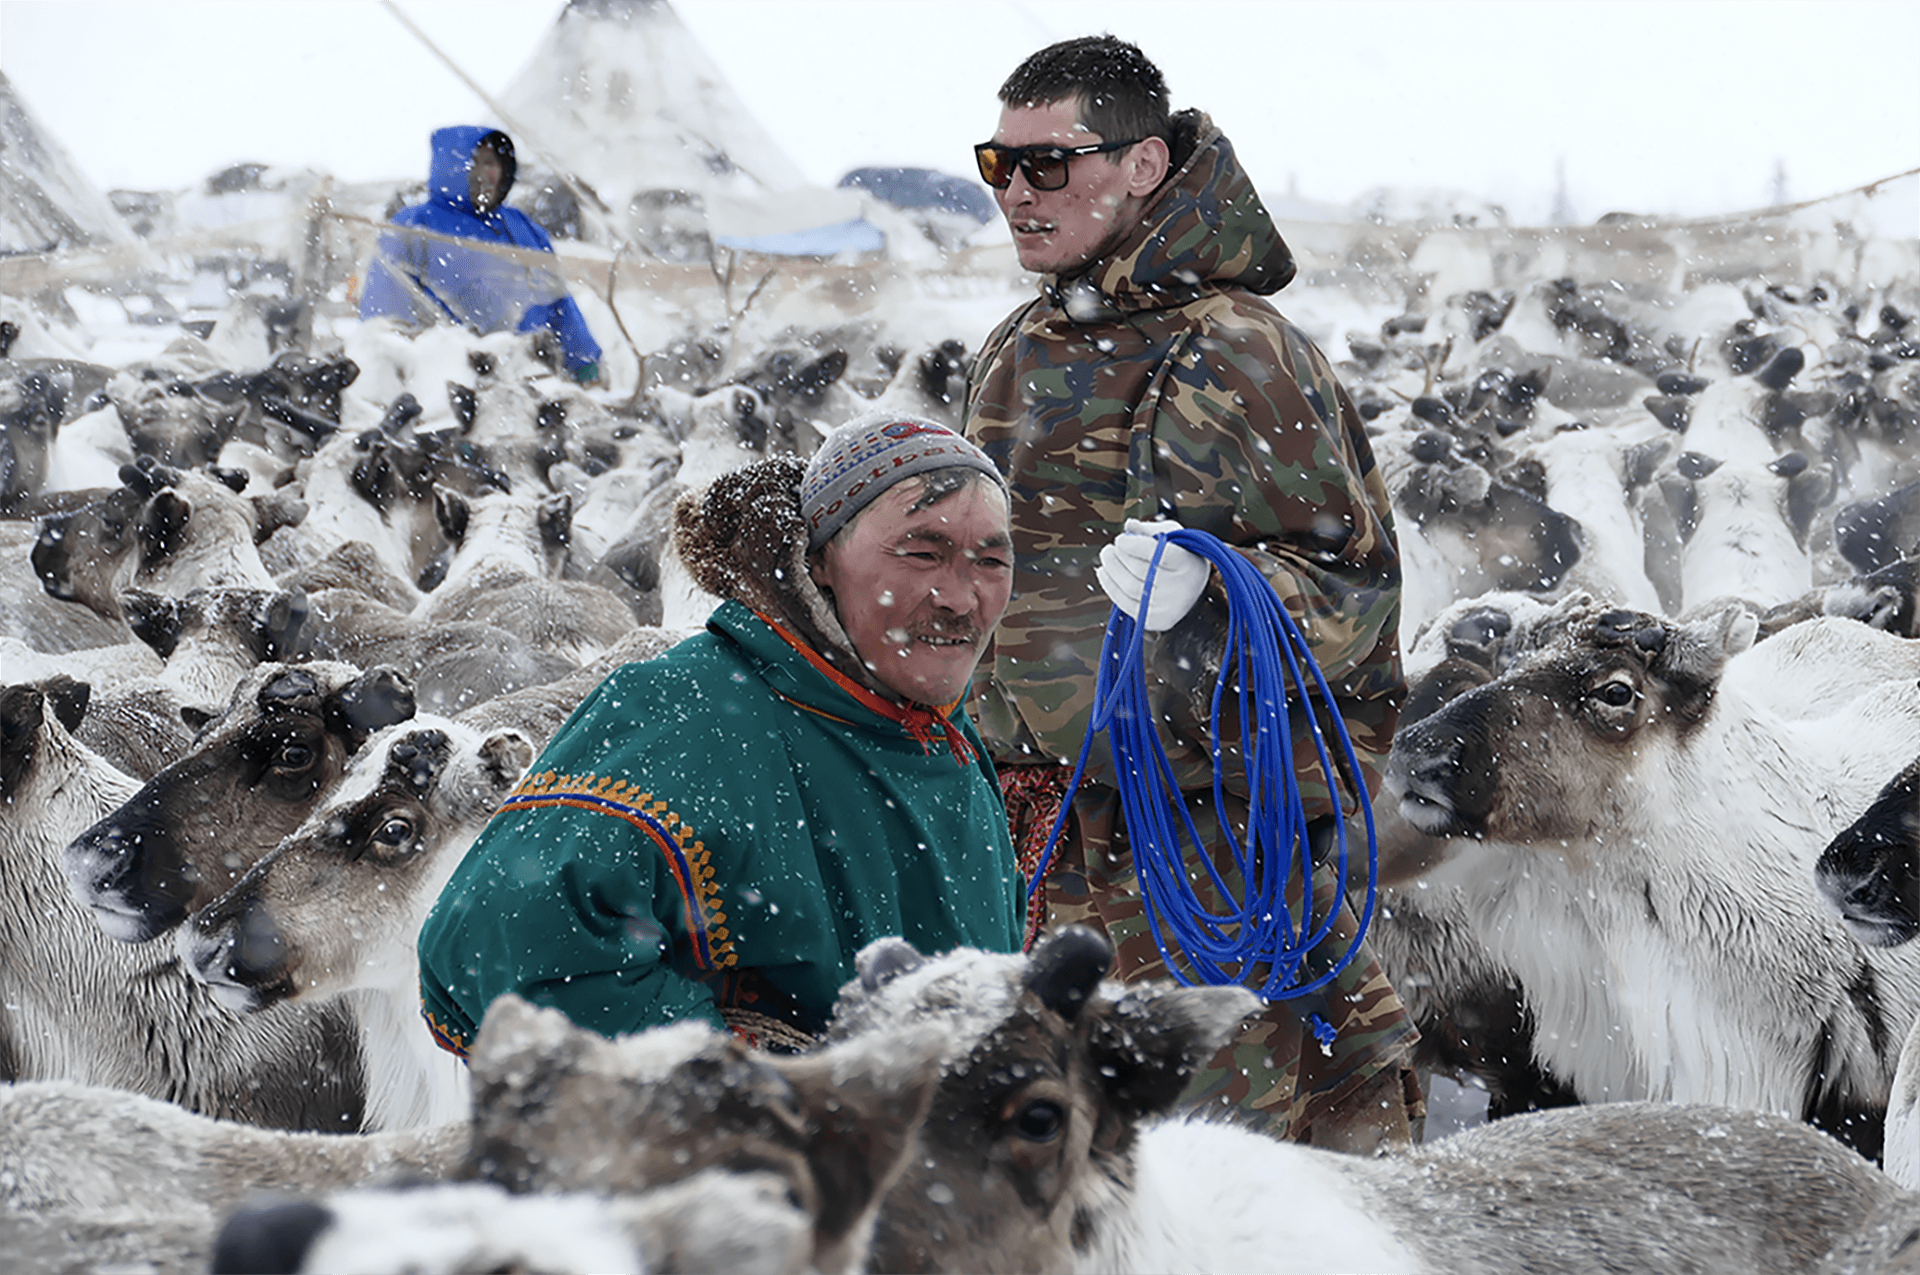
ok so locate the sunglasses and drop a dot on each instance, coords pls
(1045, 166)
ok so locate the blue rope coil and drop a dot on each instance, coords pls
(1265, 653)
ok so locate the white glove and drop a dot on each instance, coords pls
(1177, 584)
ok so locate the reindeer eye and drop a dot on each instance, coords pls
(1040, 1121)
(1617, 694)
(394, 833)
(293, 757)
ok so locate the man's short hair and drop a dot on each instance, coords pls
(1120, 92)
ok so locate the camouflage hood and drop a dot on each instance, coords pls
(1205, 229)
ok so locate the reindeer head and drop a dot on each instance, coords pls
(557, 1108)
(252, 776)
(1870, 872)
(1031, 1133)
(340, 902)
(1542, 751)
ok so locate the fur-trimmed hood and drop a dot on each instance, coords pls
(743, 539)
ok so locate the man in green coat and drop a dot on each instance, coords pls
(715, 833)
(1150, 383)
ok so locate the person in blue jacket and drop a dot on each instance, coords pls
(420, 277)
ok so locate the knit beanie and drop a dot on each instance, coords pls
(869, 454)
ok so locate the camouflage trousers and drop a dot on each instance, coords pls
(1277, 1076)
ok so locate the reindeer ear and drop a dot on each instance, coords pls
(329, 377)
(556, 520)
(377, 698)
(155, 620)
(400, 413)
(1696, 465)
(465, 404)
(1641, 462)
(863, 1103)
(274, 511)
(68, 698)
(1445, 682)
(294, 690)
(812, 380)
(450, 510)
(1740, 631)
(1695, 654)
(52, 555)
(163, 527)
(278, 622)
(1809, 490)
(940, 368)
(138, 478)
(1065, 970)
(373, 475)
(1477, 635)
(504, 756)
(23, 710)
(434, 574)
(1782, 368)
(1146, 1046)
(883, 960)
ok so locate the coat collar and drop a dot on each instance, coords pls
(802, 677)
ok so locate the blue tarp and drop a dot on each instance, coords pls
(858, 235)
(924, 188)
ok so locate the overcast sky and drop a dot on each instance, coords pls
(1677, 106)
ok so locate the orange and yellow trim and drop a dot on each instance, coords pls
(685, 855)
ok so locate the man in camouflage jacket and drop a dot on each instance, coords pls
(1150, 379)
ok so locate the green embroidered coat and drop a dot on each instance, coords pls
(724, 826)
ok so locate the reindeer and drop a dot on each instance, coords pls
(76, 1005)
(1652, 795)
(1052, 1144)
(164, 530)
(336, 908)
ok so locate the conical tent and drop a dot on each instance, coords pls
(46, 204)
(622, 96)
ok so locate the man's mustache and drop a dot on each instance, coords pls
(921, 630)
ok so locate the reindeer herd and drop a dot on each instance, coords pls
(278, 640)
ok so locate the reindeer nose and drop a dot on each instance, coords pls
(112, 854)
(252, 949)
(130, 855)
